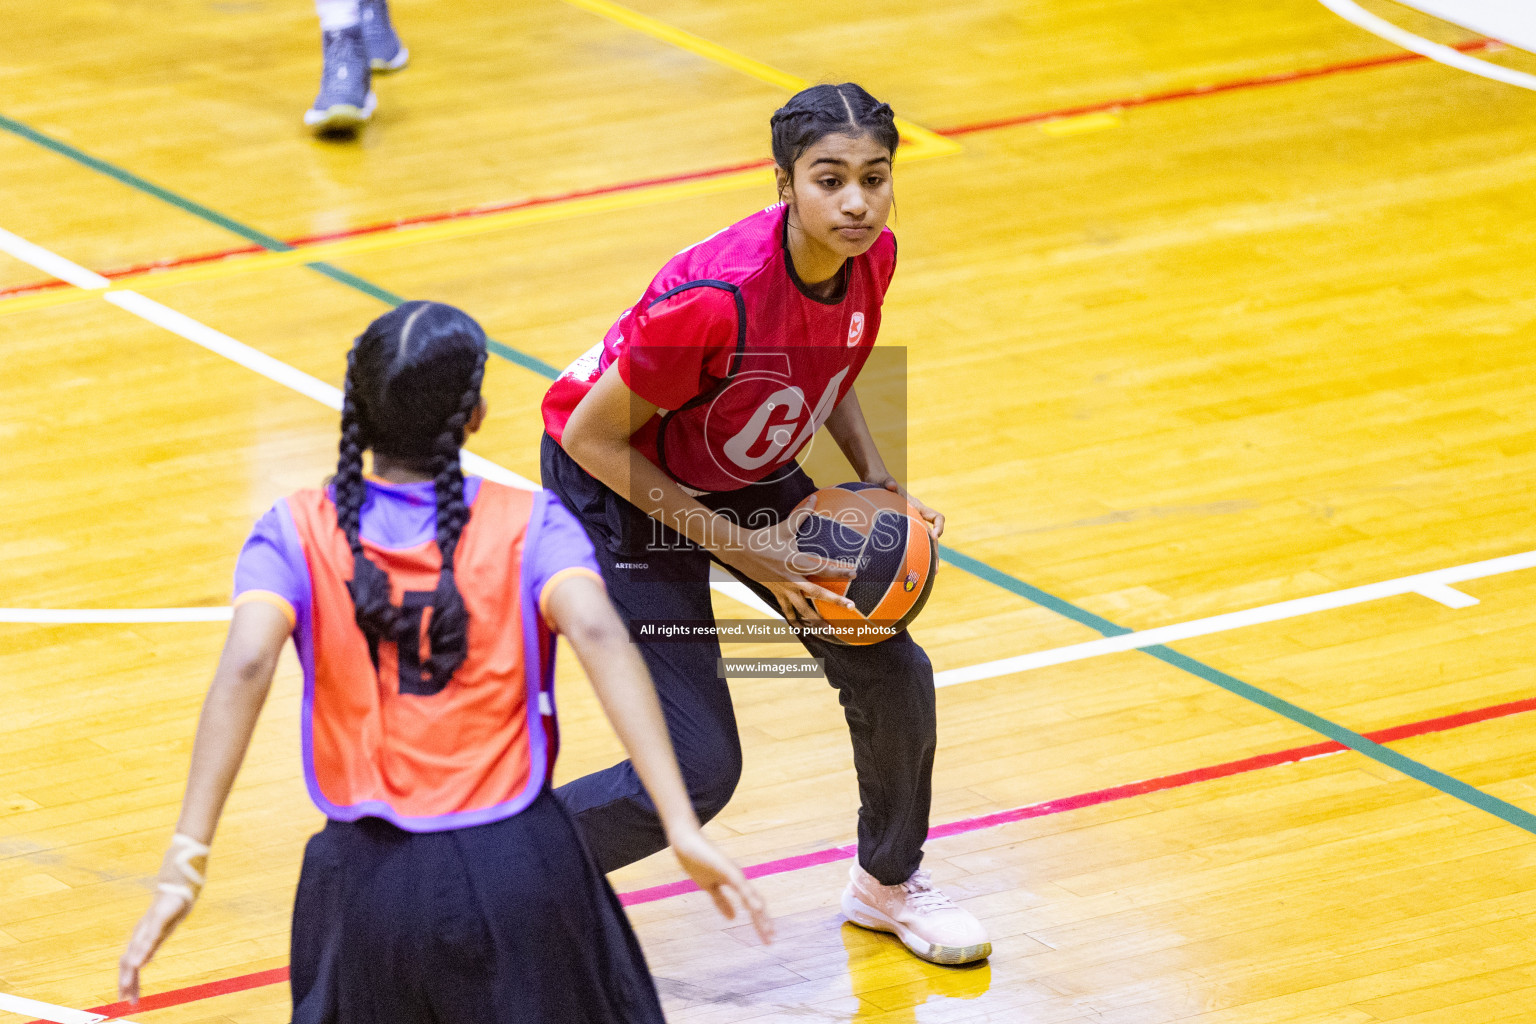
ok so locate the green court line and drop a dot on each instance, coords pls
(245, 231)
(1030, 592)
(143, 185)
(1446, 784)
(1413, 769)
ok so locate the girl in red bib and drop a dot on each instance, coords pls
(674, 442)
(448, 884)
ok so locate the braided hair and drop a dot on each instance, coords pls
(413, 381)
(822, 110)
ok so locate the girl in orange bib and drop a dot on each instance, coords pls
(448, 883)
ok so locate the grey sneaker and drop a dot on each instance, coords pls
(346, 97)
(385, 51)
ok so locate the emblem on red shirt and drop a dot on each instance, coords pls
(777, 429)
(855, 329)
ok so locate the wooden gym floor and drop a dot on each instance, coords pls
(1207, 307)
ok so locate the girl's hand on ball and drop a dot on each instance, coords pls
(935, 520)
(796, 601)
(772, 557)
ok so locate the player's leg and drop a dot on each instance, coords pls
(887, 694)
(385, 50)
(886, 690)
(615, 813)
(346, 98)
(645, 584)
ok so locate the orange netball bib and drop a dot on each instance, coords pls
(378, 740)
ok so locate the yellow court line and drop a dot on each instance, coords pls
(1081, 124)
(43, 300)
(685, 40)
(920, 143)
(325, 251)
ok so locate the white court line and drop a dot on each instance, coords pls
(726, 585)
(1448, 596)
(127, 616)
(1435, 585)
(730, 586)
(1353, 12)
(47, 1011)
(199, 333)
(273, 369)
(1509, 21)
(77, 616)
(50, 263)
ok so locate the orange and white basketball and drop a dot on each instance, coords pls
(888, 541)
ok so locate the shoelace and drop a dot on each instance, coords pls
(922, 896)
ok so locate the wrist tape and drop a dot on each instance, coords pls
(184, 850)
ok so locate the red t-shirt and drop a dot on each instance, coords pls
(744, 364)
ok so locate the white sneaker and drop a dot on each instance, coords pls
(926, 920)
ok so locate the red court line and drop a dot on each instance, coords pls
(519, 204)
(167, 263)
(1113, 793)
(193, 993)
(406, 222)
(1279, 78)
(279, 975)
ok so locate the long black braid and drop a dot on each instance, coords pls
(449, 629)
(377, 615)
(413, 381)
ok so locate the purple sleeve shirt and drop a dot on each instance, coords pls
(271, 565)
(272, 568)
(558, 549)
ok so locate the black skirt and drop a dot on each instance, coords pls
(493, 924)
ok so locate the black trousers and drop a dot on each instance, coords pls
(652, 573)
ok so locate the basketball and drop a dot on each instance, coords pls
(888, 541)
